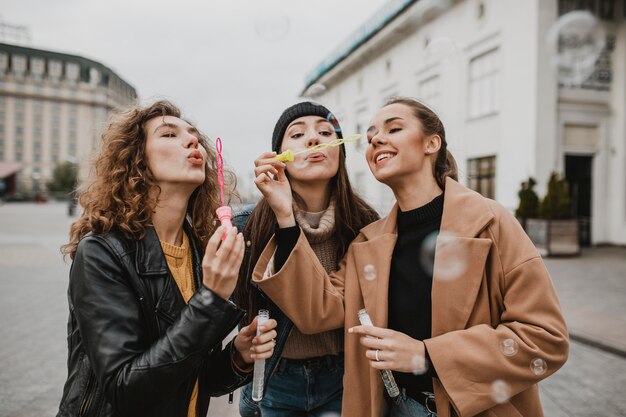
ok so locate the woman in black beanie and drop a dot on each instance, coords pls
(304, 375)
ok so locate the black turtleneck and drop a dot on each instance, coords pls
(410, 282)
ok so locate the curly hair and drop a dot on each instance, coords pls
(120, 193)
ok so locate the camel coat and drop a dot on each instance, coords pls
(489, 285)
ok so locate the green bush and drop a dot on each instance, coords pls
(64, 178)
(528, 200)
(557, 203)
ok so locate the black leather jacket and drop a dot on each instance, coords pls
(134, 346)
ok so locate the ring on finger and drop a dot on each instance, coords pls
(376, 353)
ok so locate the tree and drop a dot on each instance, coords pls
(528, 200)
(64, 178)
(557, 203)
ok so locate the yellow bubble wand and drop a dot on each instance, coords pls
(290, 156)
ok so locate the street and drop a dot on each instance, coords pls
(33, 308)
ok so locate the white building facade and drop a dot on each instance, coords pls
(487, 67)
(53, 108)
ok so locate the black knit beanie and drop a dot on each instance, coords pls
(305, 108)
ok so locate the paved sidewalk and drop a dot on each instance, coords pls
(592, 291)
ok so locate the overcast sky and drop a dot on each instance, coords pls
(232, 66)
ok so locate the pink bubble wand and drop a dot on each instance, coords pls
(224, 213)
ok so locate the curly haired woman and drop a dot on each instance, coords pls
(151, 277)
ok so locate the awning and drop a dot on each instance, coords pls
(9, 168)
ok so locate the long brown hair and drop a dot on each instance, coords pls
(352, 213)
(119, 195)
(445, 165)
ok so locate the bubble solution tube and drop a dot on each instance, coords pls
(259, 364)
(388, 379)
(224, 213)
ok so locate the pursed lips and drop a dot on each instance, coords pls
(316, 156)
(196, 157)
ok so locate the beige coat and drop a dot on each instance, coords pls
(504, 292)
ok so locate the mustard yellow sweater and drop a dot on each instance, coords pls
(179, 261)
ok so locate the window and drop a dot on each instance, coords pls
(4, 62)
(72, 71)
(360, 128)
(94, 76)
(37, 66)
(481, 175)
(430, 93)
(483, 84)
(19, 64)
(604, 9)
(55, 70)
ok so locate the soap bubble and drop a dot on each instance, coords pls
(299, 161)
(369, 272)
(538, 366)
(508, 347)
(419, 365)
(441, 50)
(500, 391)
(579, 38)
(272, 28)
(427, 252)
(452, 258)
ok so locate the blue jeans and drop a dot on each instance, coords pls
(405, 406)
(308, 388)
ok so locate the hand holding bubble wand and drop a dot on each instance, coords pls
(290, 156)
(224, 212)
(388, 380)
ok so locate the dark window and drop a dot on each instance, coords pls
(481, 175)
(604, 9)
